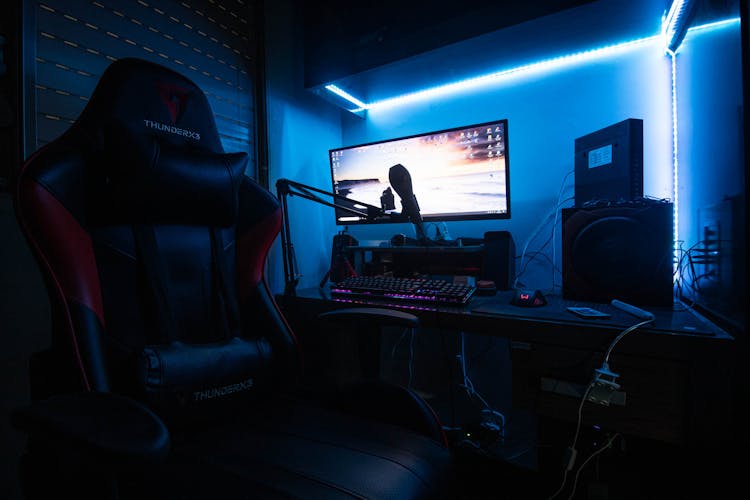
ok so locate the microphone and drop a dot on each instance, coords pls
(401, 181)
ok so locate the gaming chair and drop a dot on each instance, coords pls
(171, 372)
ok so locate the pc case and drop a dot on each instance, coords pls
(609, 164)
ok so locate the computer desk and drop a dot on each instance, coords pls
(674, 374)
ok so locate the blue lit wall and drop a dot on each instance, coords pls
(546, 111)
(709, 110)
(301, 129)
(711, 170)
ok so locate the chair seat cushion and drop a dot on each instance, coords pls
(291, 449)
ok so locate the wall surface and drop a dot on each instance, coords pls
(711, 175)
(301, 128)
(547, 110)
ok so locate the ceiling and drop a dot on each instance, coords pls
(344, 38)
(378, 51)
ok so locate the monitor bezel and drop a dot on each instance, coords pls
(433, 218)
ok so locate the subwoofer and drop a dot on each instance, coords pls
(621, 251)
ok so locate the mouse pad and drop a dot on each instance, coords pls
(554, 310)
(667, 319)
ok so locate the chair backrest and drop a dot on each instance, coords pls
(153, 243)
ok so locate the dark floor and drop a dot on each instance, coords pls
(631, 468)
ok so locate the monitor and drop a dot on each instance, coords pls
(456, 174)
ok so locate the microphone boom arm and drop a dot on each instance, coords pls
(286, 188)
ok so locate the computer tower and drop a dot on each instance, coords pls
(609, 164)
(499, 259)
(621, 251)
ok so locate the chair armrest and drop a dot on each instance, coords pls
(373, 315)
(107, 426)
(392, 404)
(380, 400)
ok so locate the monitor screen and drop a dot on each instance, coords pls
(456, 174)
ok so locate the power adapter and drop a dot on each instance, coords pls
(603, 386)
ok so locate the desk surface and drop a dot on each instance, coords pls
(551, 323)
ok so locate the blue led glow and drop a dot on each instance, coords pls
(671, 23)
(496, 77)
(715, 25)
(669, 39)
(675, 163)
(675, 149)
(493, 78)
(346, 95)
(535, 67)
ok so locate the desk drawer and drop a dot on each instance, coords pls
(652, 401)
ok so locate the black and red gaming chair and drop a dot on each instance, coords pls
(171, 372)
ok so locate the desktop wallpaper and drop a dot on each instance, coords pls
(455, 173)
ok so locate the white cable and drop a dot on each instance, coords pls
(411, 332)
(534, 235)
(606, 446)
(580, 415)
(605, 364)
(554, 226)
(526, 246)
(544, 221)
(575, 440)
(398, 342)
(621, 335)
(562, 485)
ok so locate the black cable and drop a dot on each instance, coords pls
(451, 377)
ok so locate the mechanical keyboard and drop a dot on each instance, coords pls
(414, 290)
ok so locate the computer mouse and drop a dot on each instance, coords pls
(529, 298)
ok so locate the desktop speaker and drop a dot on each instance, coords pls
(499, 259)
(621, 251)
(341, 267)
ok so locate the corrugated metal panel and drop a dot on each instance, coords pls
(208, 41)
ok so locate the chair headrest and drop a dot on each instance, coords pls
(153, 150)
(149, 100)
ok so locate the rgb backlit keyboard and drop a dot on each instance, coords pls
(419, 290)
